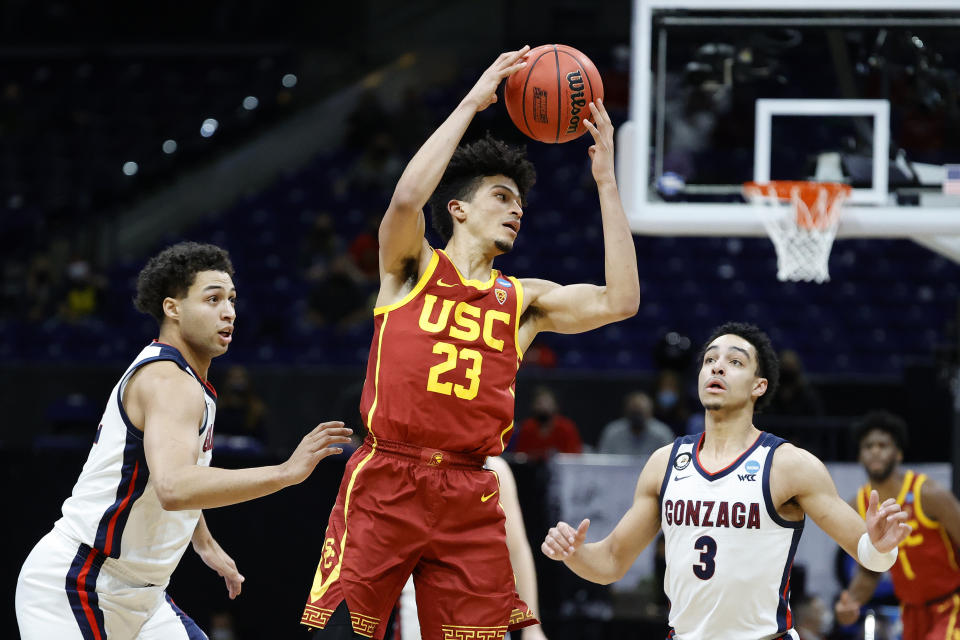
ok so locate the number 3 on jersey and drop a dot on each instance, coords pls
(453, 356)
(707, 547)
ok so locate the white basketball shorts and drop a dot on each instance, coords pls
(64, 591)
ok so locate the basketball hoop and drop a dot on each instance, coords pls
(802, 240)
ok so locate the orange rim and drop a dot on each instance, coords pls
(806, 191)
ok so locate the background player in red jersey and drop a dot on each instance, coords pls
(449, 334)
(926, 577)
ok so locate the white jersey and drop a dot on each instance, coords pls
(728, 551)
(114, 508)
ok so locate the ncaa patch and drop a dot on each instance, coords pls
(752, 466)
(682, 461)
(503, 282)
(501, 296)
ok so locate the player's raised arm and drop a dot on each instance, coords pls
(169, 404)
(581, 307)
(802, 476)
(402, 227)
(609, 559)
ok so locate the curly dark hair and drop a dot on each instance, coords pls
(170, 273)
(768, 364)
(468, 166)
(879, 420)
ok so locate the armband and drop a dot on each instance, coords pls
(872, 559)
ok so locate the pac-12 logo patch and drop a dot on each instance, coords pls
(501, 296)
(752, 466)
(503, 282)
(682, 461)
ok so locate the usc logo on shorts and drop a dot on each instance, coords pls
(436, 460)
(329, 553)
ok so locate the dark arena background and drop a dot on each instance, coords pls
(277, 130)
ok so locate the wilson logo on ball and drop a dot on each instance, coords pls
(575, 82)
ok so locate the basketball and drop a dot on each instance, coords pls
(549, 98)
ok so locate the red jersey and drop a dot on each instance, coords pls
(563, 437)
(926, 567)
(443, 362)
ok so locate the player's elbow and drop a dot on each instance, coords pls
(612, 565)
(611, 575)
(171, 498)
(626, 306)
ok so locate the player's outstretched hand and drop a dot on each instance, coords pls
(846, 609)
(886, 523)
(601, 151)
(484, 93)
(217, 559)
(562, 541)
(314, 447)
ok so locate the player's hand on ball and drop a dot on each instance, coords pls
(562, 541)
(314, 447)
(601, 151)
(484, 93)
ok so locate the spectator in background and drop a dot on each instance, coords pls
(240, 410)
(321, 246)
(812, 619)
(42, 285)
(81, 299)
(795, 397)
(637, 432)
(379, 166)
(546, 431)
(13, 288)
(540, 354)
(670, 406)
(337, 297)
(365, 249)
(222, 626)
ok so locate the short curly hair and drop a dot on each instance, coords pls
(170, 273)
(886, 422)
(468, 166)
(768, 364)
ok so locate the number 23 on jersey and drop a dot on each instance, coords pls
(468, 324)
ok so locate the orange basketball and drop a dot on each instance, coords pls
(549, 98)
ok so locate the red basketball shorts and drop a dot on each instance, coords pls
(435, 514)
(934, 621)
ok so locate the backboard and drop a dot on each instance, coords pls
(725, 92)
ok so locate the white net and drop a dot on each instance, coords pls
(802, 233)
